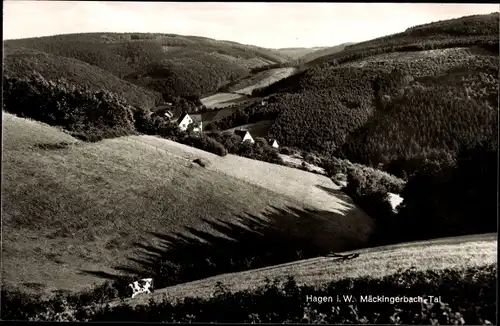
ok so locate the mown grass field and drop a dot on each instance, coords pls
(242, 91)
(301, 186)
(221, 100)
(70, 207)
(458, 253)
(262, 79)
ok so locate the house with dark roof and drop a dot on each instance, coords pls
(245, 135)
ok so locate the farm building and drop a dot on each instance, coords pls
(185, 120)
(273, 143)
(245, 135)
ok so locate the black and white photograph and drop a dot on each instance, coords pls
(250, 162)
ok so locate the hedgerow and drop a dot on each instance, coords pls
(467, 296)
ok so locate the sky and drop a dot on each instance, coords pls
(266, 24)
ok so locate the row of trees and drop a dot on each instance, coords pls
(260, 150)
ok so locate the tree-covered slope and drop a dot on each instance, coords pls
(23, 62)
(173, 65)
(479, 30)
(384, 106)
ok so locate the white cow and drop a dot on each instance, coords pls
(144, 285)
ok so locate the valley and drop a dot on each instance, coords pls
(104, 182)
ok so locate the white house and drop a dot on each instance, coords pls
(273, 143)
(245, 135)
(185, 120)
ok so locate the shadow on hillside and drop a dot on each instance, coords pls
(347, 201)
(249, 242)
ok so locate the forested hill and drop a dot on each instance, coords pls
(173, 65)
(481, 30)
(427, 92)
(22, 62)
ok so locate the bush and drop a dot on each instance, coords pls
(334, 166)
(205, 143)
(368, 188)
(286, 151)
(366, 180)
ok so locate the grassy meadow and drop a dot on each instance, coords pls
(262, 79)
(435, 255)
(457, 254)
(221, 100)
(446, 268)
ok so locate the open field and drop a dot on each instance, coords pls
(439, 254)
(70, 208)
(262, 79)
(241, 91)
(19, 134)
(221, 100)
(296, 184)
